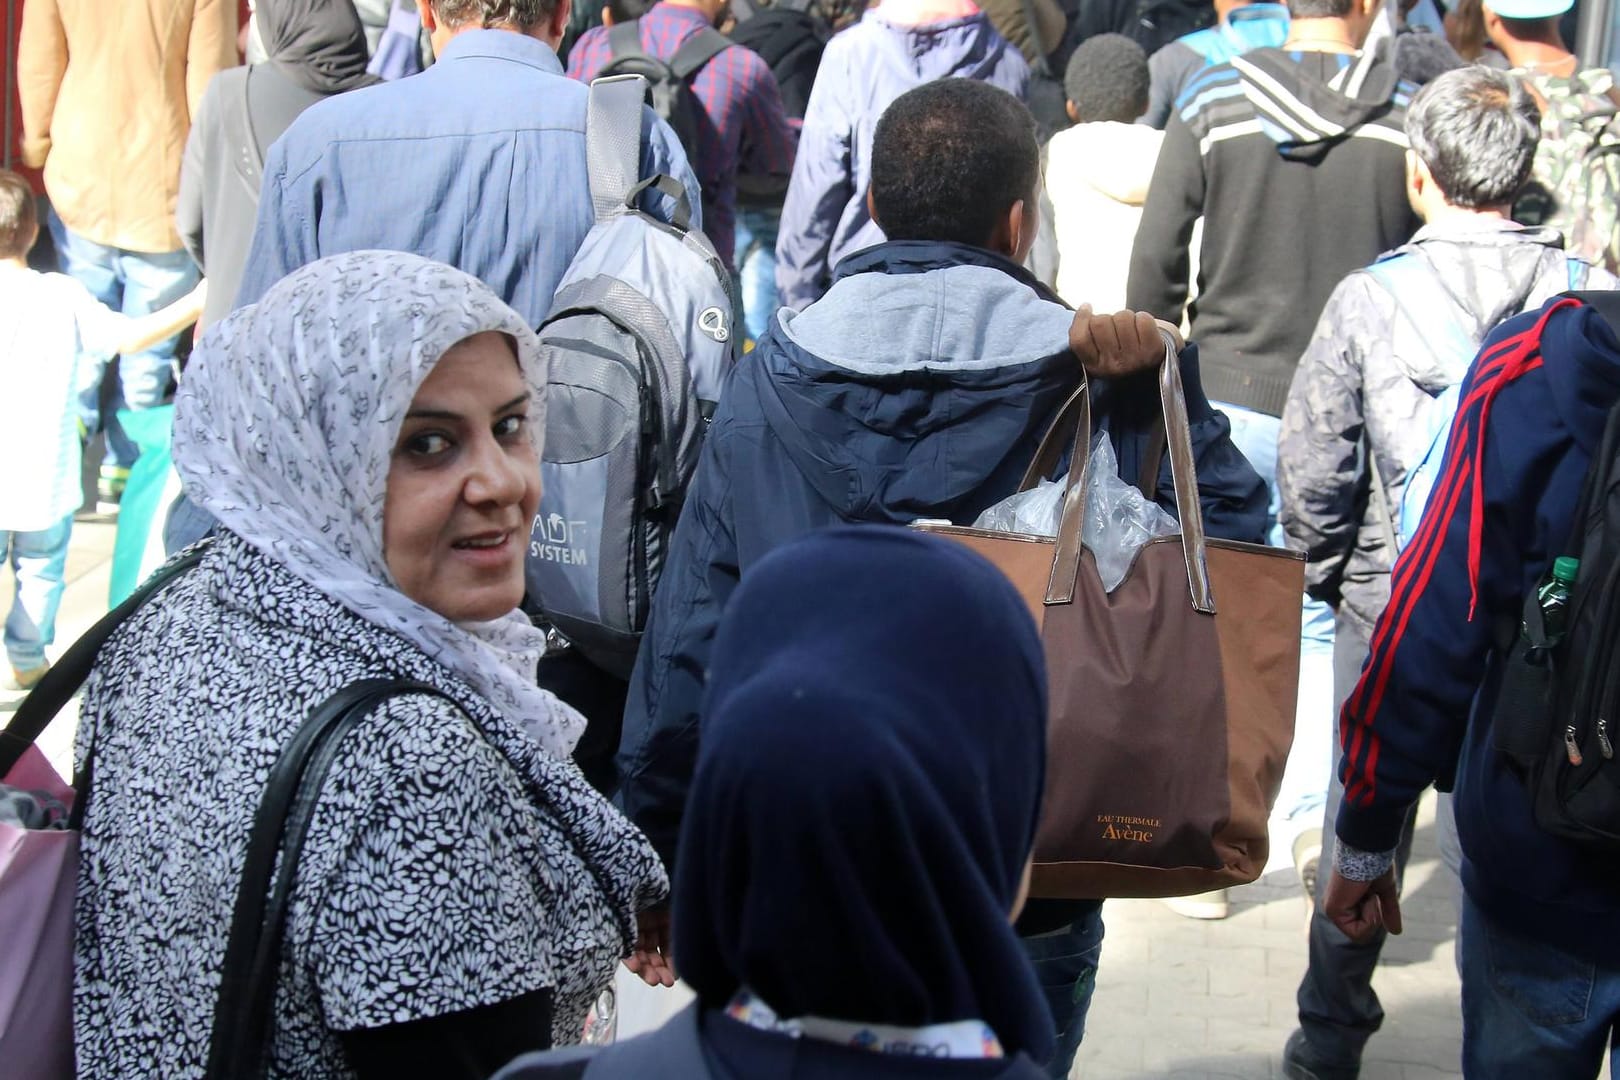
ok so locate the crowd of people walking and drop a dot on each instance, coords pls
(519, 572)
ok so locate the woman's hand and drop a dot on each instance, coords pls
(650, 960)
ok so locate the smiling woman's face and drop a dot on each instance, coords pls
(464, 485)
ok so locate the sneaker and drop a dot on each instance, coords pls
(24, 678)
(110, 489)
(1209, 905)
(1307, 860)
(1299, 1062)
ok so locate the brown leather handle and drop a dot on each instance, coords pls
(1178, 441)
(1050, 451)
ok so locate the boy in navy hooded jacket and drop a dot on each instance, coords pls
(1539, 941)
(918, 387)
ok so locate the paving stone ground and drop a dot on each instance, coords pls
(1175, 997)
(1183, 998)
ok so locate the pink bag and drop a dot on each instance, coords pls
(39, 868)
(38, 873)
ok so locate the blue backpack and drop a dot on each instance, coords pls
(1406, 279)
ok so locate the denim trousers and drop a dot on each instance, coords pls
(755, 260)
(134, 283)
(1532, 1011)
(37, 560)
(1065, 963)
(1305, 781)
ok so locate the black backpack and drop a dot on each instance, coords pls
(791, 43)
(1558, 713)
(669, 83)
(1152, 24)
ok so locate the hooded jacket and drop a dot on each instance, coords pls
(1295, 160)
(1532, 413)
(824, 217)
(1097, 178)
(1370, 378)
(918, 387)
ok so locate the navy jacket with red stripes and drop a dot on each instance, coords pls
(1532, 413)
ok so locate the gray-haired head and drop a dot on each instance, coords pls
(1476, 129)
(522, 15)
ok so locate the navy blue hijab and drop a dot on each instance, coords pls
(874, 746)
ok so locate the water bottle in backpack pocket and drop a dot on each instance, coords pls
(638, 344)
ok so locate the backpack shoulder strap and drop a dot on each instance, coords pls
(1039, 67)
(699, 49)
(254, 155)
(613, 140)
(243, 1024)
(624, 41)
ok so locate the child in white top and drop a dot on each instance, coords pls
(1097, 174)
(47, 323)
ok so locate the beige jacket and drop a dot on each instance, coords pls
(108, 90)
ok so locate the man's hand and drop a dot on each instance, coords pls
(1362, 908)
(1113, 346)
(651, 958)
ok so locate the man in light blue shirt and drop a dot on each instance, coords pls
(478, 162)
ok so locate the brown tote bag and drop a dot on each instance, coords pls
(1172, 699)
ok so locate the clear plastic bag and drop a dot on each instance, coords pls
(1119, 518)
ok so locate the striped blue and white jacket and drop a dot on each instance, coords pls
(1295, 160)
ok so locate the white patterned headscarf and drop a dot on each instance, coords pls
(285, 425)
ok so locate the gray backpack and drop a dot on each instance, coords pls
(638, 343)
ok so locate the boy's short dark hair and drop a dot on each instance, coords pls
(19, 221)
(1107, 79)
(948, 160)
(628, 10)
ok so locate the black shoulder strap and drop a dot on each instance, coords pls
(699, 49)
(59, 685)
(1607, 304)
(1040, 67)
(255, 156)
(243, 1022)
(624, 41)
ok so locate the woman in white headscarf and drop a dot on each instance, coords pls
(367, 438)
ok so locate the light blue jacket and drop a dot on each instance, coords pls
(478, 162)
(863, 70)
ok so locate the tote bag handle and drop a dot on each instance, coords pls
(1076, 415)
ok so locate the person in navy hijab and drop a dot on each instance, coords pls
(858, 835)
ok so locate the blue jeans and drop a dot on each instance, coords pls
(755, 260)
(1305, 783)
(37, 561)
(1065, 962)
(135, 283)
(1530, 1010)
